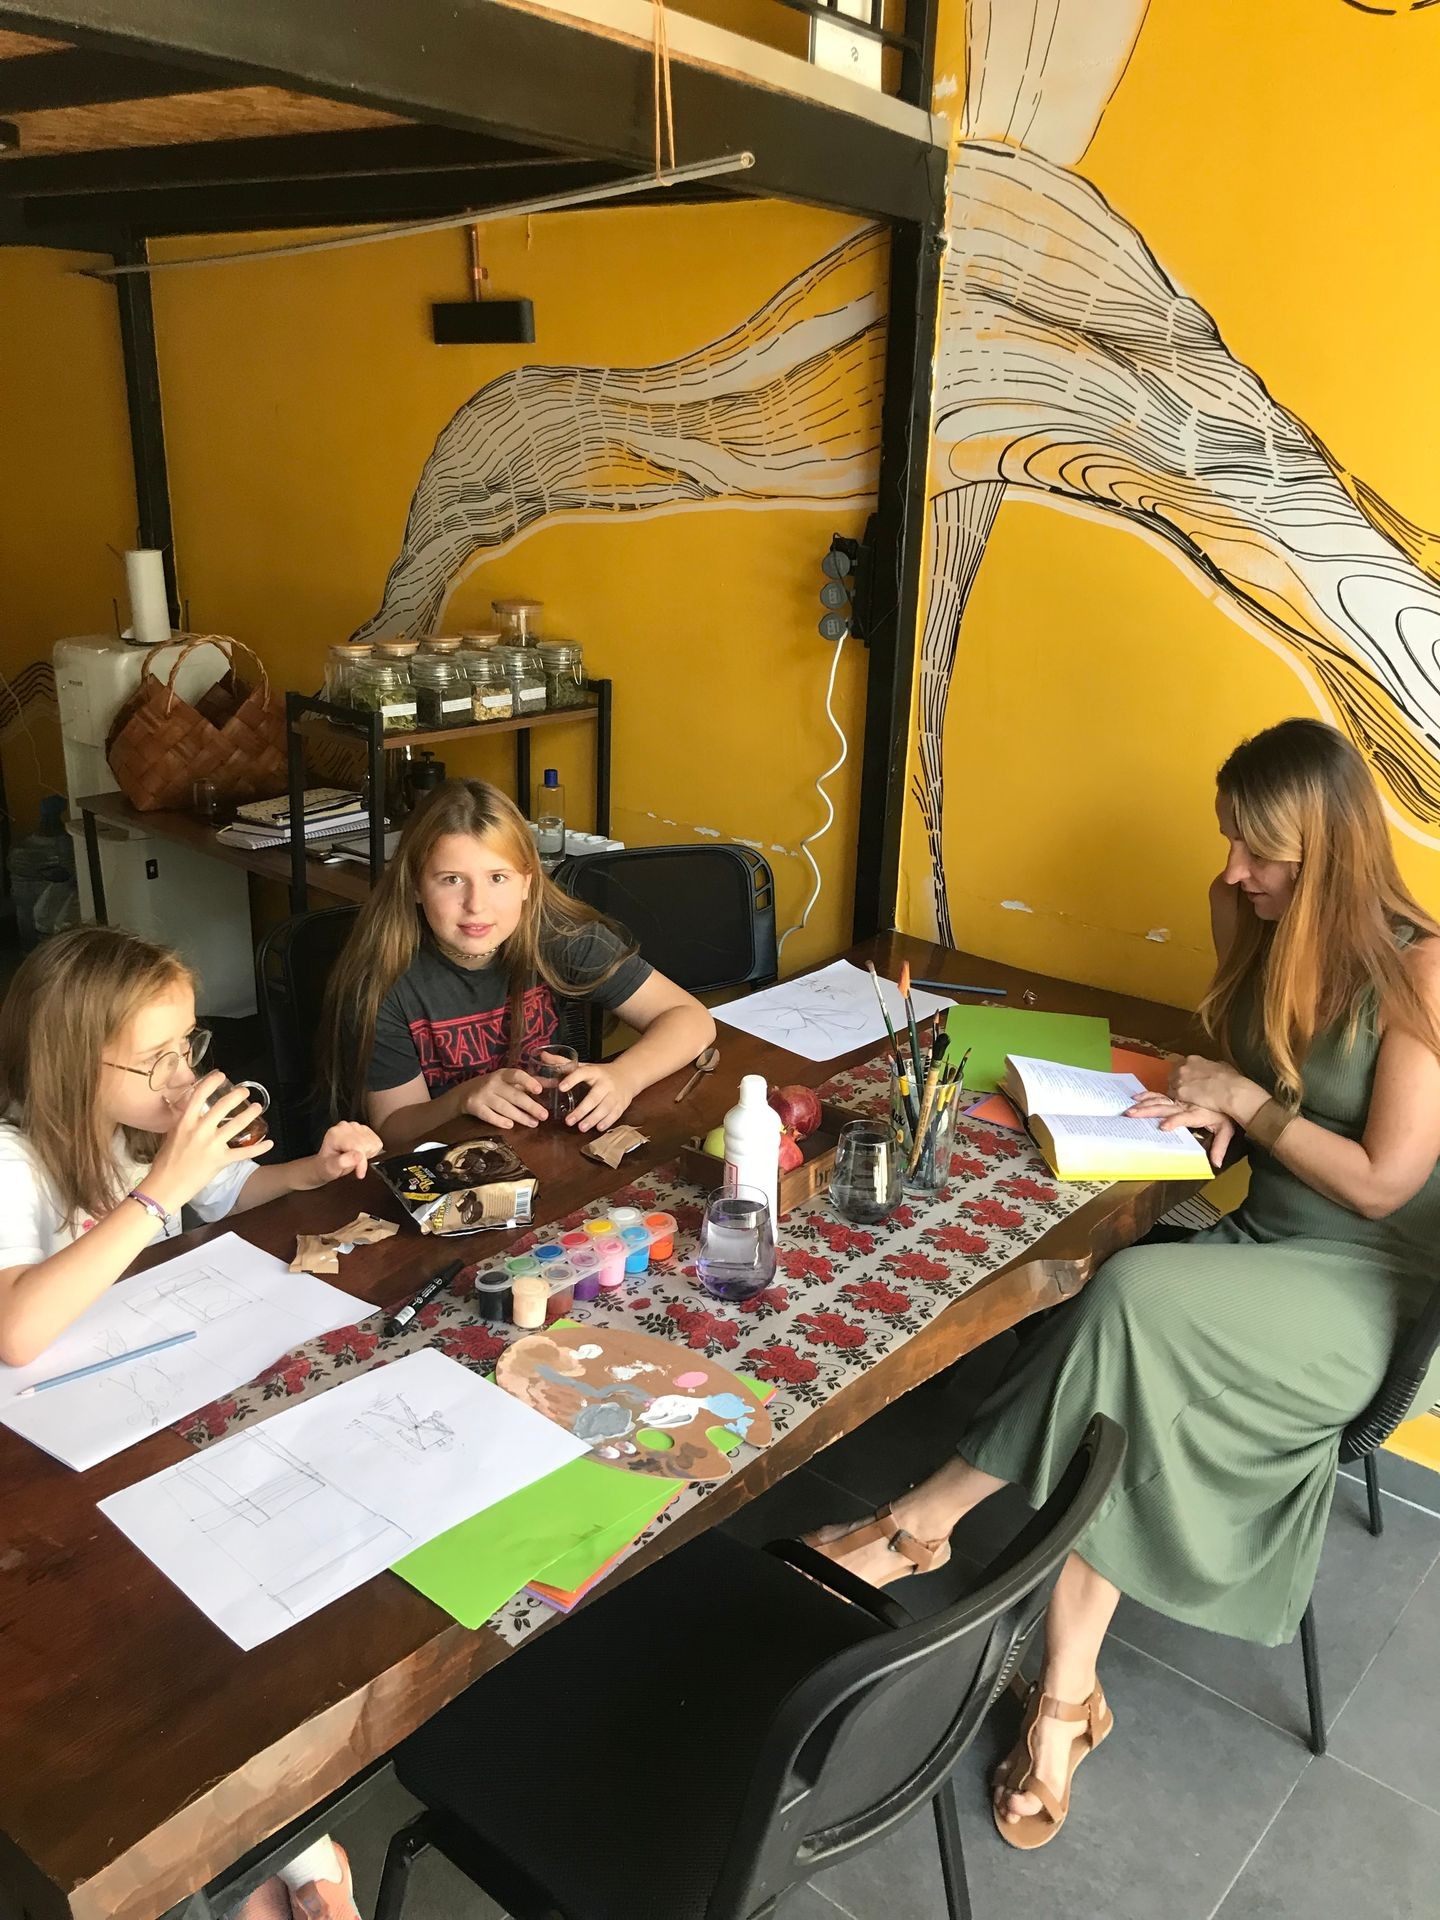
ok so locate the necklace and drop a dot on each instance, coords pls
(471, 962)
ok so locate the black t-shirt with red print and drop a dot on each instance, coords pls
(451, 1023)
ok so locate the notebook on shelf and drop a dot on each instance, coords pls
(328, 826)
(316, 803)
(1076, 1117)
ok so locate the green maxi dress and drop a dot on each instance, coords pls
(1233, 1361)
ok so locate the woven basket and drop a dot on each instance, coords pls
(160, 745)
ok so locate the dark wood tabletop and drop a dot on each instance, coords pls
(143, 1751)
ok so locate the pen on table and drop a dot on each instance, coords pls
(954, 986)
(105, 1365)
(402, 1316)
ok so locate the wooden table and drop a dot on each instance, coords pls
(143, 1752)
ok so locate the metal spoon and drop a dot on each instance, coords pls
(705, 1063)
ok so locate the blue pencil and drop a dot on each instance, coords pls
(104, 1366)
(953, 986)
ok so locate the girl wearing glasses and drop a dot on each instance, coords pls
(107, 1132)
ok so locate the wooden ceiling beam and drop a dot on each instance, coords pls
(42, 82)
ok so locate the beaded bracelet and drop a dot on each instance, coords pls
(152, 1207)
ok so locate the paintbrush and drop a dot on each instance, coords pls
(910, 1017)
(885, 1015)
(927, 1112)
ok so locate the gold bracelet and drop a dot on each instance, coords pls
(1267, 1123)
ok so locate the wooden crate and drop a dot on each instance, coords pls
(800, 1183)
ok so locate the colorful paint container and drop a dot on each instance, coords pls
(492, 1293)
(612, 1252)
(661, 1228)
(569, 1241)
(637, 1248)
(529, 1299)
(585, 1263)
(625, 1216)
(559, 1277)
(521, 1264)
(548, 1250)
(596, 1227)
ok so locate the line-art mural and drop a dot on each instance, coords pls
(1072, 370)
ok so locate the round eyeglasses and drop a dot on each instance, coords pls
(171, 1069)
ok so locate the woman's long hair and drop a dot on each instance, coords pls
(66, 1009)
(1301, 793)
(391, 926)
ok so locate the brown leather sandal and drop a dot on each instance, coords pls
(1018, 1775)
(922, 1556)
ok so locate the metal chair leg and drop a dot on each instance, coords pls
(1314, 1697)
(404, 1850)
(952, 1859)
(1372, 1494)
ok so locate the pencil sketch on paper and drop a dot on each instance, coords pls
(284, 1525)
(395, 1424)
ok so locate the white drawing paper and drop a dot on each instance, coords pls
(822, 1015)
(267, 1527)
(245, 1309)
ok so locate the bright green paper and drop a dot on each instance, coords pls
(1072, 1039)
(474, 1568)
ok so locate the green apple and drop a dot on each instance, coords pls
(715, 1142)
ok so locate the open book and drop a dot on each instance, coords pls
(1076, 1118)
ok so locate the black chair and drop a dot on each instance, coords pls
(292, 964)
(704, 1739)
(705, 916)
(1366, 1433)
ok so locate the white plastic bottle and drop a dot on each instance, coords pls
(752, 1145)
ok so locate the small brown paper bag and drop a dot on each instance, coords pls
(611, 1148)
(314, 1254)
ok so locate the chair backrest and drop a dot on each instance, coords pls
(292, 965)
(1395, 1396)
(871, 1733)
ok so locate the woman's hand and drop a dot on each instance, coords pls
(197, 1147)
(1198, 1082)
(346, 1149)
(612, 1088)
(1175, 1113)
(505, 1099)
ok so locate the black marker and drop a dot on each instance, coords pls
(402, 1316)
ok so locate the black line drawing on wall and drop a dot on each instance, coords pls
(1072, 371)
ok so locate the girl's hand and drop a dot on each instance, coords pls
(505, 1099)
(1175, 1113)
(612, 1088)
(197, 1147)
(346, 1149)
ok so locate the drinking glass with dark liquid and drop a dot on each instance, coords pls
(256, 1095)
(551, 1065)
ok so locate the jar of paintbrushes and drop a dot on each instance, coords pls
(925, 1089)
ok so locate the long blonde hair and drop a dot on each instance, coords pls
(1301, 793)
(391, 927)
(67, 1006)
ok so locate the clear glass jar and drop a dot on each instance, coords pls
(442, 692)
(443, 643)
(339, 670)
(384, 686)
(490, 695)
(518, 620)
(564, 664)
(527, 679)
(479, 638)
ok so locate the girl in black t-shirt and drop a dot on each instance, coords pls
(451, 972)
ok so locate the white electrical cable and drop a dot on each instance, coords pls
(821, 831)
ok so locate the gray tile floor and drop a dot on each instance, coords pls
(1206, 1804)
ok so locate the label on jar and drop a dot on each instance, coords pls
(402, 711)
(494, 702)
(456, 706)
(530, 697)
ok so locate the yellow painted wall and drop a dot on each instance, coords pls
(301, 398)
(1272, 157)
(66, 487)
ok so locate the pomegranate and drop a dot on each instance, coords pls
(798, 1108)
(790, 1154)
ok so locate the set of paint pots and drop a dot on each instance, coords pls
(532, 1289)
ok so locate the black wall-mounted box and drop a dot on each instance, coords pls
(460, 323)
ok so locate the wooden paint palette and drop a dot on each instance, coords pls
(638, 1402)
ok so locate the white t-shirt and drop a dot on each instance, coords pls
(31, 1228)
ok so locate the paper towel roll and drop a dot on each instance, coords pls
(149, 607)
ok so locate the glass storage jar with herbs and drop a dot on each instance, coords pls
(478, 638)
(384, 686)
(340, 665)
(490, 695)
(442, 692)
(564, 664)
(518, 620)
(527, 679)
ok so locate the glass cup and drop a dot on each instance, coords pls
(206, 801)
(925, 1173)
(865, 1186)
(551, 1065)
(257, 1129)
(736, 1257)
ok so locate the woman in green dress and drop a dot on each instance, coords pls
(1235, 1359)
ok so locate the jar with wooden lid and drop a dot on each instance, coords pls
(490, 695)
(339, 666)
(527, 679)
(518, 620)
(477, 639)
(442, 692)
(441, 643)
(563, 662)
(383, 686)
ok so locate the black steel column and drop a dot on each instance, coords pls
(915, 260)
(147, 428)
